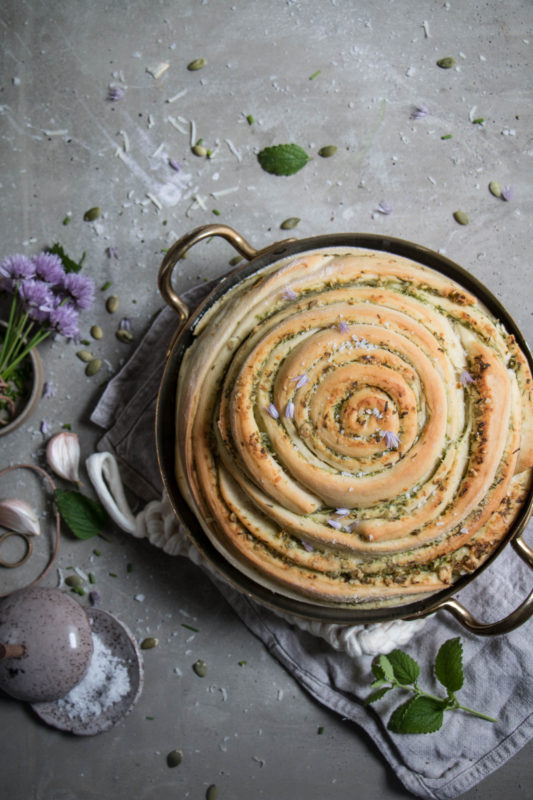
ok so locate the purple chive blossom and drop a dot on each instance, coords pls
(507, 193)
(49, 390)
(64, 320)
(335, 524)
(306, 546)
(124, 324)
(37, 299)
(289, 294)
(94, 598)
(174, 165)
(392, 440)
(289, 410)
(342, 512)
(115, 93)
(112, 252)
(15, 268)
(302, 380)
(44, 427)
(420, 111)
(465, 378)
(384, 207)
(48, 267)
(79, 289)
(343, 327)
(273, 411)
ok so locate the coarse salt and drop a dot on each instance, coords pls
(106, 682)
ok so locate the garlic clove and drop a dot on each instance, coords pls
(63, 456)
(16, 515)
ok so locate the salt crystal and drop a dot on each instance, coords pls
(106, 682)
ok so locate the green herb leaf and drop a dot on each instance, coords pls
(283, 159)
(406, 670)
(386, 668)
(449, 665)
(418, 715)
(377, 695)
(85, 517)
(69, 265)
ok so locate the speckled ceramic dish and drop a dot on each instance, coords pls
(97, 712)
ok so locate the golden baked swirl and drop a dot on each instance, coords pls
(354, 428)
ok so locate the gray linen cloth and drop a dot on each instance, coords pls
(498, 670)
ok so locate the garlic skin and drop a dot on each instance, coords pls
(16, 515)
(63, 456)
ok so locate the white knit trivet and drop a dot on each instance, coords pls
(157, 523)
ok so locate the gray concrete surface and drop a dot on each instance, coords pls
(65, 148)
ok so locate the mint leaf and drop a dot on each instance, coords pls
(84, 516)
(419, 715)
(283, 159)
(449, 665)
(69, 264)
(377, 695)
(382, 668)
(406, 670)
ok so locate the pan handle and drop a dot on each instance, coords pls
(179, 249)
(505, 625)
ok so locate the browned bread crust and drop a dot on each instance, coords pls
(354, 428)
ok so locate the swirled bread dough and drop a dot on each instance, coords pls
(354, 428)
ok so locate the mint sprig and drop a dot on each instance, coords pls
(85, 517)
(283, 159)
(423, 713)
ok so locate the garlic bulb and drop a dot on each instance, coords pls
(17, 515)
(63, 456)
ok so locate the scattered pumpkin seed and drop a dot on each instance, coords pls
(174, 758)
(200, 667)
(97, 332)
(198, 63)
(212, 792)
(124, 336)
(461, 217)
(149, 643)
(85, 355)
(289, 223)
(495, 189)
(235, 260)
(446, 63)
(93, 367)
(112, 303)
(92, 214)
(199, 150)
(327, 151)
(74, 580)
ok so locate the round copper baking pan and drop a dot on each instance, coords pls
(166, 426)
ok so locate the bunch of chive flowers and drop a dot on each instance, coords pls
(45, 299)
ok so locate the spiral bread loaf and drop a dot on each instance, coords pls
(354, 428)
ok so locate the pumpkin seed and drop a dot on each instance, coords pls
(289, 223)
(328, 151)
(97, 332)
(495, 189)
(149, 643)
(199, 150)
(124, 336)
(461, 217)
(85, 355)
(112, 303)
(198, 63)
(93, 367)
(174, 758)
(235, 260)
(92, 214)
(74, 580)
(200, 667)
(446, 63)
(212, 792)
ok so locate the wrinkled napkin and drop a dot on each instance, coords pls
(498, 670)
